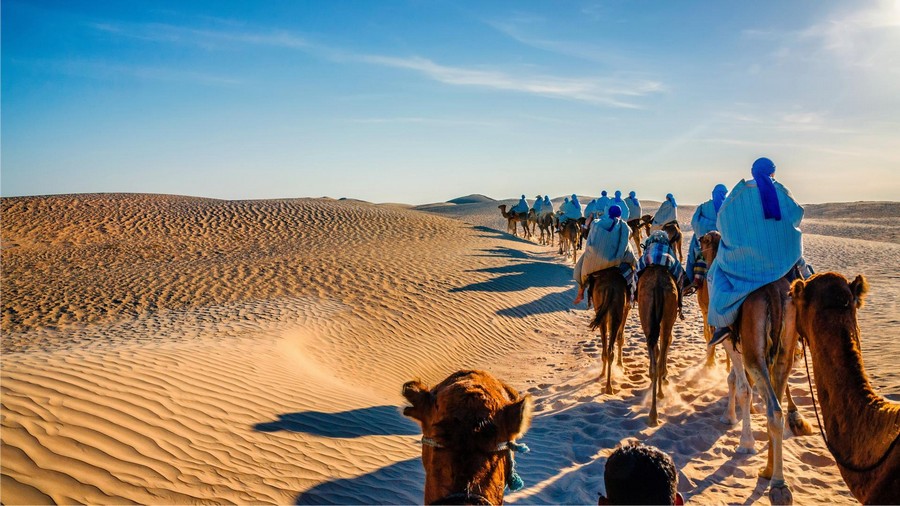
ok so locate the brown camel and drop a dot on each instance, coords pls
(760, 348)
(862, 427)
(470, 422)
(709, 246)
(568, 238)
(675, 238)
(546, 222)
(532, 221)
(610, 299)
(512, 218)
(636, 225)
(657, 308)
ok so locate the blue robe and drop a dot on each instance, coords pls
(521, 207)
(754, 251)
(634, 208)
(570, 211)
(602, 205)
(548, 206)
(605, 248)
(667, 212)
(538, 206)
(626, 213)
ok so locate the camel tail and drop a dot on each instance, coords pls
(656, 315)
(602, 307)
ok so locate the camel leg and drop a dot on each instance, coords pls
(739, 394)
(653, 421)
(667, 324)
(620, 340)
(798, 425)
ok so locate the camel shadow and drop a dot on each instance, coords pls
(399, 483)
(371, 421)
(497, 234)
(504, 252)
(550, 303)
(521, 275)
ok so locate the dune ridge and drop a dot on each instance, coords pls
(167, 350)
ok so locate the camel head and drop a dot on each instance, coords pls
(709, 245)
(828, 299)
(469, 424)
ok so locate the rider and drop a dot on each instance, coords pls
(521, 207)
(607, 246)
(634, 206)
(538, 206)
(703, 222)
(761, 243)
(590, 210)
(667, 213)
(603, 204)
(547, 208)
(617, 200)
(658, 251)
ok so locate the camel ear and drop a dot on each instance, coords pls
(420, 397)
(797, 290)
(859, 287)
(516, 417)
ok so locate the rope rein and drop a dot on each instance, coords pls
(840, 460)
(514, 482)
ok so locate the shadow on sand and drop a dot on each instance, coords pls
(399, 483)
(372, 421)
(520, 276)
(497, 234)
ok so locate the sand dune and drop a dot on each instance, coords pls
(163, 349)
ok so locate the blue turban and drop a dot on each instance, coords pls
(614, 212)
(762, 171)
(671, 199)
(618, 194)
(632, 194)
(718, 195)
(603, 193)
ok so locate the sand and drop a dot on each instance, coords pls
(164, 349)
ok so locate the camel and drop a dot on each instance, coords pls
(636, 225)
(657, 308)
(610, 298)
(675, 238)
(512, 218)
(532, 221)
(862, 427)
(546, 222)
(709, 246)
(568, 237)
(469, 422)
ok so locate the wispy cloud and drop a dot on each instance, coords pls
(616, 92)
(417, 120)
(522, 29)
(598, 91)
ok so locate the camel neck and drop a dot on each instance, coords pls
(851, 409)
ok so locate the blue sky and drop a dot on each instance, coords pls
(423, 101)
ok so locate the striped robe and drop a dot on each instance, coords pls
(604, 248)
(754, 251)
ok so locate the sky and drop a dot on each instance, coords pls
(423, 101)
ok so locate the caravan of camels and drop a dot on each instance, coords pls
(773, 322)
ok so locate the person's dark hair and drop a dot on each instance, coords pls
(640, 474)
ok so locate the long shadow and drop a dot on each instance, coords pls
(372, 421)
(550, 303)
(399, 483)
(497, 234)
(504, 252)
(520, 276)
